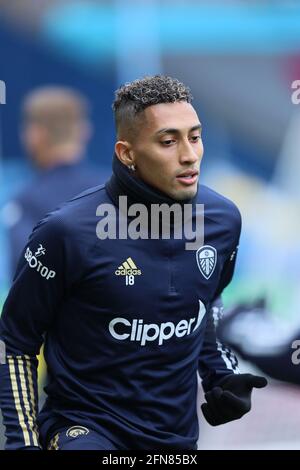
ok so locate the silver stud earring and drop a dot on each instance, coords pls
(131, 167)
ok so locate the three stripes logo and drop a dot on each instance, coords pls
(21, 373)
(128, 269)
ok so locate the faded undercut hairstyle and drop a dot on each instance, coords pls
(132, 98)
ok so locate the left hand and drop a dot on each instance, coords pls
(231, 399)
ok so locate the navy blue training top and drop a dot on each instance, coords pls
(49, 189)
(127, 324)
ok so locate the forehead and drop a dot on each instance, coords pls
(178, 115)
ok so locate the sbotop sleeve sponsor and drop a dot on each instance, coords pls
(35, 263)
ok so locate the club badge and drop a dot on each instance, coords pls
(206, 257)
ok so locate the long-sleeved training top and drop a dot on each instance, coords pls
(127, 323)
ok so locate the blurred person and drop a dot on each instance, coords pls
(55, 133)
(128, 321)
(251, 331)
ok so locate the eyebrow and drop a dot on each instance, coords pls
(171, 130)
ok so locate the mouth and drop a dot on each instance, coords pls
(188, 177)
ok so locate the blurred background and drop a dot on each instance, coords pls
(240, 58)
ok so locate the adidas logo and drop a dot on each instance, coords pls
(128, 268)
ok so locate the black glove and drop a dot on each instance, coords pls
(231, 399)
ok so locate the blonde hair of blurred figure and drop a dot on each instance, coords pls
(56, 126)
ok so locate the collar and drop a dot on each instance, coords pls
(123, 182)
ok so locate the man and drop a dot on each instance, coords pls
(128, 322)
(55, 133)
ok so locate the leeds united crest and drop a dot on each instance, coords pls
(206, 259)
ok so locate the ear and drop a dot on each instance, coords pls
(124, 152)
(33, 136)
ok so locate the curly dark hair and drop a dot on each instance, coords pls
(134, 97)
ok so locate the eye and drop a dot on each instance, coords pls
(167, 143)
(195, 138)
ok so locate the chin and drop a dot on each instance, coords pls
(184, 195)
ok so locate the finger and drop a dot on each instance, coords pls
(210, 415)
(233, 404)
(213, 400)
(256, 381)
(213, 394)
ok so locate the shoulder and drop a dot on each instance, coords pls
(219, 208)
(73, 221)
(90, 194)
(76, 209)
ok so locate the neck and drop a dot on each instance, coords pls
(62, 155)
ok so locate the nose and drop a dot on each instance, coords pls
(190, 153)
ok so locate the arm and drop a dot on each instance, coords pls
(216, 360)
(41, 282)
(228, 393)
(18, 230)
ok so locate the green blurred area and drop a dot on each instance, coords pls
(2, 299)
(281, 297)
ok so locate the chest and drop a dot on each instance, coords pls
(152, 276)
